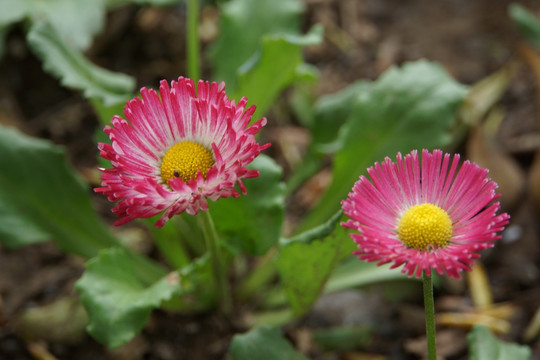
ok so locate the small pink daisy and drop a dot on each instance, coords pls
(178, 149)
(436, 215)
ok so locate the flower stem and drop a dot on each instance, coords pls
(260, 277)
(219, 270)
(193, 48)
(430, 317)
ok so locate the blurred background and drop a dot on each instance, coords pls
(476, 42)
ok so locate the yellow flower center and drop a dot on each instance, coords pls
(424, 225)
(184, 160)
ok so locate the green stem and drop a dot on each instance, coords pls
(193, 48)
(266, 270)
(146, 270)
(218, 268)
(168, 240)
(260, 277)
(430, 317)
(171, 248)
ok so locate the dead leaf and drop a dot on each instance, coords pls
(450, 342)
(479, 286)
(39, 351)
(534, 180)
(532, 58)
(63, 321)
(483, 149)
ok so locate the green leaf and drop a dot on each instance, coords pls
(263, 343)
(117, 301)
(168, 241)
(319, 232)
(328, 116)
(408, 108)
(15, 229)
(331, 112)
(252, 223)
(12, 11)
(117, 3)
(343, 338)
(41, 198)
(305, 267)
(277, 65)
(354, 273)
(74, 70)
(75, 22)
(483, 345)
(527, 22)
(106, 113)
(243, 24)
(3, 33)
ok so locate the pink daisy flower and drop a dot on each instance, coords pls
(178, 149)
(433, 215)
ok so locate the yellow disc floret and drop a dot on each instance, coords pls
(184, 160)
(423, 226)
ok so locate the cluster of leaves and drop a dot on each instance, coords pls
(414, 106)
(266, 343)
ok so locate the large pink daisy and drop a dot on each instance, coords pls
(178, 149)
(436, 215)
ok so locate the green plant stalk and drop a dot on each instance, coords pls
(259, 278)
(169, 242)
(193, 47)
(172, 250)
(430, 316)
(218, 267)
(190, 234)
(265, 271)
(146, 270)
(104, 112)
